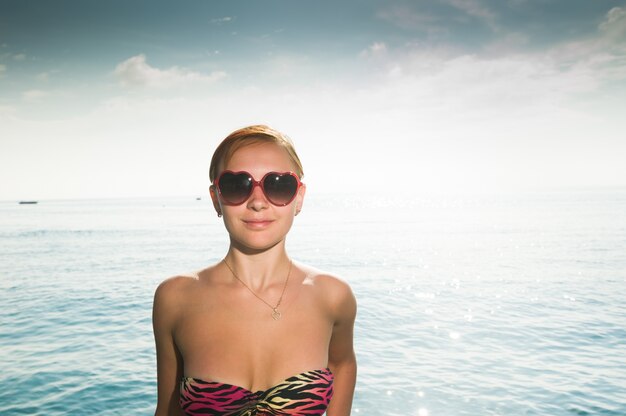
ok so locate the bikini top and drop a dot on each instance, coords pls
(307, 393)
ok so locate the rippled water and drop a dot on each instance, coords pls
(508, 305)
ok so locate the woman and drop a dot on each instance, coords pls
(256, 333)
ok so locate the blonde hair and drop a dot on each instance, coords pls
(252, 135)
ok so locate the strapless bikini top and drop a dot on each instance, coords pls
(306, 393)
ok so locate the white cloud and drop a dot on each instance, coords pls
(441, 93)
(220, 20)
(3, 69)
(602, 55)
(375, 49)
(34, 96)
(43, 77)
(19, 57)
(612, 32)
(500, 79)
(615, 23)
(135, 71)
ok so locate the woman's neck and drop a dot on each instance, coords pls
(259, 270)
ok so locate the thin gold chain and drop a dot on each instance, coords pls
(275, 313)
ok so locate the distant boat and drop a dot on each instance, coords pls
(198, 199)
(28, 202)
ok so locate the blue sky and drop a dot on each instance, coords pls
(129, 98)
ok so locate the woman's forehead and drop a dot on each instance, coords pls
(268, 156)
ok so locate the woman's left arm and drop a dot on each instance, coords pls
(341, 357)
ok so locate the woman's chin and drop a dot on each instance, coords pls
(255, 245)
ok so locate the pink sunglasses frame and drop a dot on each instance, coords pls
(256, 183)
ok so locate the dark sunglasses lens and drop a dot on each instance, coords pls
(235, 188)
(280, 189)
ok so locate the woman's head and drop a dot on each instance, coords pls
(253, 187)
(248, 136)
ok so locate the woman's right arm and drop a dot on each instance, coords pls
(169, 360)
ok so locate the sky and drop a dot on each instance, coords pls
(115, 98)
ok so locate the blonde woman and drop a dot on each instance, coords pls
(256, 333)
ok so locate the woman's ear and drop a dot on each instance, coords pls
(300, 198)
(216, 200)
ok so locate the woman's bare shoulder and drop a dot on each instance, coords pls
(315, 276)
(333, 288)
(182, 286)
(174, 285)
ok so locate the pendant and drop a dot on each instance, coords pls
(275, 314)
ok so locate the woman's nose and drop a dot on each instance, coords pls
(257, 199)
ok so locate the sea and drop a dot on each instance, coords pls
(485, 304)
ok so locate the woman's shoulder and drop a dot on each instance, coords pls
(181, 286)
(333, 288)
(323, 279)
(169, 295)
(176, 284)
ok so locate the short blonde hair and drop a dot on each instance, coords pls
(252, 135)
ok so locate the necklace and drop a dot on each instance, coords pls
(275, 312)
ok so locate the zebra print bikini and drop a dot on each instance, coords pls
(307, 393)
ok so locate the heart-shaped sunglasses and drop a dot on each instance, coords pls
(280, 188)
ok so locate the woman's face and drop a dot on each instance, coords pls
(257, 224)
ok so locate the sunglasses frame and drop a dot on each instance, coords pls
(256, 183)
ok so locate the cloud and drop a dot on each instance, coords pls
(221, 20)
(506, 75)
(601, 55)
(470, 86)
(19, 57)
(375, 49)
(443, 83)
(3, 69)
(34, 96)
(615, 15)
(136, 72)
(614, 27)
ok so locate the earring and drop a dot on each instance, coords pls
(219, 214)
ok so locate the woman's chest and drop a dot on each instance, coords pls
(214, 335)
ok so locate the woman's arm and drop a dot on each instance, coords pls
(169, 360)
(341, 357)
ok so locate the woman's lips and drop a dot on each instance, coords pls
(256, 224)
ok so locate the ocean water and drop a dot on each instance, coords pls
(468, 305)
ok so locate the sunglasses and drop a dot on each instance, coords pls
(236, 187)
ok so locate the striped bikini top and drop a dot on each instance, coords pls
(307, 393)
